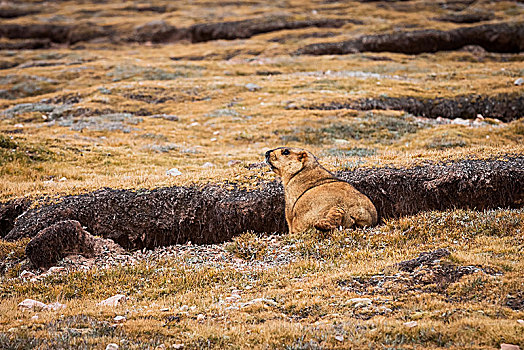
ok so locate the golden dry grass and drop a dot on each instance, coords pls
(309, 305)
(219, 121)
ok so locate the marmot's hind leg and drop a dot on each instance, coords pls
(333, 219)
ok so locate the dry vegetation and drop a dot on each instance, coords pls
(114, 103)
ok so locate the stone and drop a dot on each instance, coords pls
(264, 301)
(184, 308)
(252, 87)
(177, 346)
(339, 338)
(54, 306)
(521, 322)
(112, 346)
(411, 324)
(460, 121)
(359, 302)
(208, 165)
(55, 269)
(170, 117)
(519, 81)
(31, 305)
(115, 300)
(505, 346)
(119, 319)
(27, 274)
(173, 172)
(201, 318)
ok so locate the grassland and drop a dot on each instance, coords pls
(113, 112)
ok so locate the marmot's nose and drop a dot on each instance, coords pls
(268, 153)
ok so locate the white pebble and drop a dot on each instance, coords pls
(173, 172)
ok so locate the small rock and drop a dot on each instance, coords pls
(170, 117)
(31, 305)
(165, 309)
(519, 81)
(208, 165)
(34, 318)
(55, 269)
(359, 302)
(339, 338)
(460, 121)
(201, 318)
(27, 274)
(265, 301)
(521, 322)
(54, 306)
(112, 346)
(252, 87)
(504, 346)
(104, 91)
(160, 347)
(173, 172)
(233, 298)
(62, 179)
(114, 300)
(177, 346)
(184, 308)
(411, 324)
(119, 319)
(233, 162)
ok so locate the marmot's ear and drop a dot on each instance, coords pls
(302, 156)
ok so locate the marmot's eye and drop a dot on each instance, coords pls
(285, 152)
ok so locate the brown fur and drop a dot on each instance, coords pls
(315, 198)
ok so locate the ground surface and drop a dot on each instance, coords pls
(114, 94)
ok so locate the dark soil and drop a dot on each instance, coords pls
(211, 214)
(161, 32)
(423, 258)
(57, 33)
(505, 107)
(426, 273)
(57, 241)
(9, 211)
(247, 28)
(13, 11)
(467, 17)
(499, 37)
(27, 44)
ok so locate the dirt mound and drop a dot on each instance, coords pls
(56, 33)
(57, 241)
(211, 214)
(426, 273)
(506, 107)
(499, 37)
(247, 28)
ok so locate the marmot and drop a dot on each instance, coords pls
(314, 196)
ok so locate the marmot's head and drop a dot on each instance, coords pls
(287, 161)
